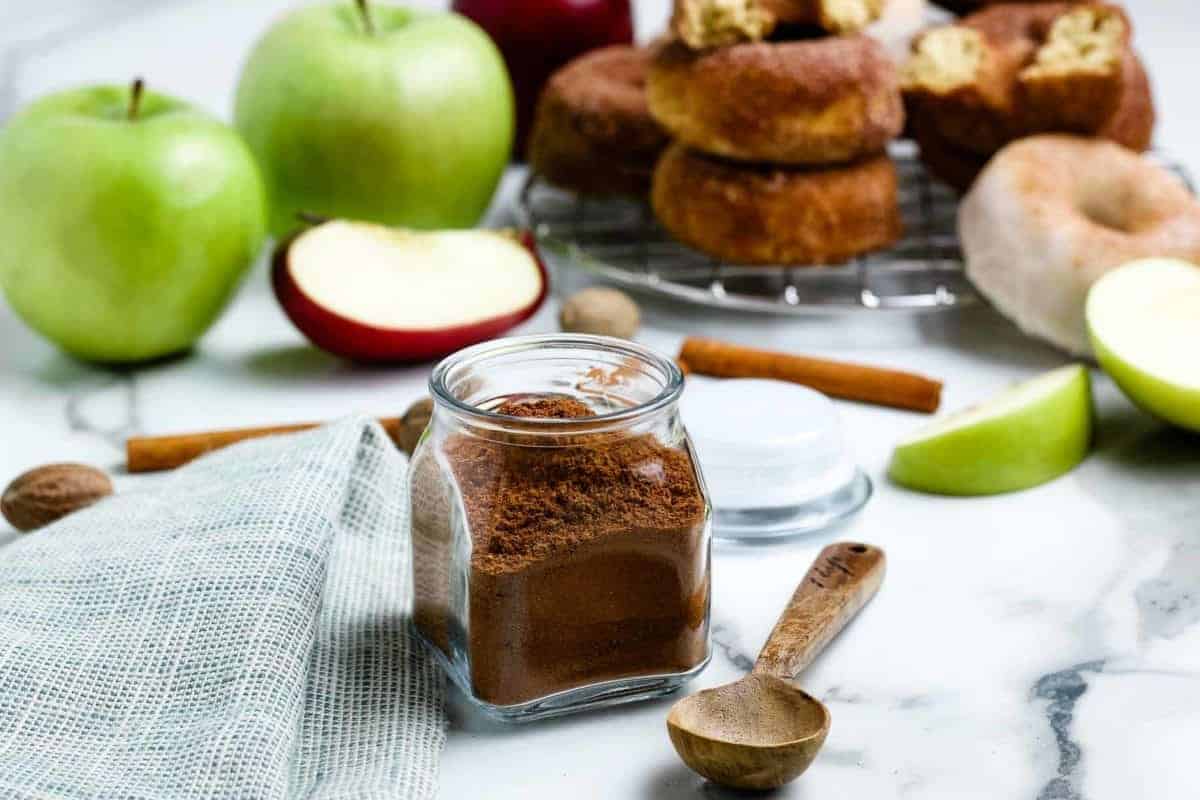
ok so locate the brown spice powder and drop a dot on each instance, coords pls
(588, 558)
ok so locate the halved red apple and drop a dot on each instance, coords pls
(372, 293)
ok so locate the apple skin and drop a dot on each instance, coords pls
(1171, 402)
(1029, 447)
(124, 239)
(408, 126)
(355, 341)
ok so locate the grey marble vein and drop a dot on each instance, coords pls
(1062, 691)
(728, 644)
(1169, 603)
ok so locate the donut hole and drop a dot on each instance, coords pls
(1103, 211)
(795, 32)
(1111, 201)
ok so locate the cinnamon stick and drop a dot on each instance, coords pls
(865, 384)
(154, 453)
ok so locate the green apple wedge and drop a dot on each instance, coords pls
(377, 113)
(127, 219)
(1027, 435)
(1144, 322)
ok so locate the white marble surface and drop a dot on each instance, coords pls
(1042, 645)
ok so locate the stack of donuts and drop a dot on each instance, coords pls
(1014, 70)
(780, 113)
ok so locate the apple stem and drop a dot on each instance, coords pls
(365, 10)
(309, 218)
(135, 97)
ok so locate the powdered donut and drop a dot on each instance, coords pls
(592, 131)
(758, 214)
(1050, 214)
(818, 101)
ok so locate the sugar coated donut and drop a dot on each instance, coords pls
(592, 131)
(1018, 69)
(818, 101)
(703, 24)
(1132, 126)
(1050, 214)
(757, 214)
(950, 164)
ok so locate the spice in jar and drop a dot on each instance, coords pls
(588, 554)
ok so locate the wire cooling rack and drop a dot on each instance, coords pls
(619, 241)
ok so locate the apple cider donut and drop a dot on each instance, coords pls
(1018, 69)
(1050, 214)
(1132, 125)
(950, 164)
(703, 24)
(762, 214)
(592, 131)
(818, 101)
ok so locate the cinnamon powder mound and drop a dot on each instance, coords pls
(545, 408)
(589, 557)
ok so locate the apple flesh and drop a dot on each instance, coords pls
(370, 293)
(1144, 323)
(1028, 435)
(380, 113)
(537, 37)
(127, 220)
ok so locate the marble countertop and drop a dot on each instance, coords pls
(1042, 645)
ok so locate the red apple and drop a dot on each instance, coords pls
(536, 37)
(371, 293)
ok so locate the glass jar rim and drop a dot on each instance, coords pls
(476, 354)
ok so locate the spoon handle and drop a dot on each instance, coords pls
(839, 583)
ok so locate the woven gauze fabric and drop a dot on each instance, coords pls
(237, 629)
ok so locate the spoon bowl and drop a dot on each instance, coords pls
(758, 733)
(763, 731)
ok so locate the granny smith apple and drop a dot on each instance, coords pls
(126, 220)
(379, 113)
(1144, 321)
(1025, 436)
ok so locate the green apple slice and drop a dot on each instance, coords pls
(1025, 436)
(1144, 321)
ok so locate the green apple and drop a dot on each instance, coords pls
(378, 113)
(126, 220)
(1144, 322)
(1035, 431)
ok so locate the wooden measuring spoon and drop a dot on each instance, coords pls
(763, 731)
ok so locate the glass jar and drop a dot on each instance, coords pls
(560, 526)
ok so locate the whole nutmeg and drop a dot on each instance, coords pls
(48, 493)
(607, 312)
(413, 424)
